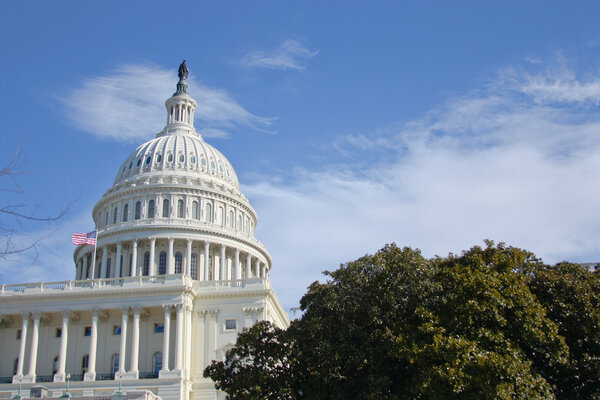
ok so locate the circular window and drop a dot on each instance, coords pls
(181, 158)
(148, 159)
(193, 160)
(139, 162)
(159, 158)
(170, 158)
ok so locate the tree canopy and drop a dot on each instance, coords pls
(491, 323)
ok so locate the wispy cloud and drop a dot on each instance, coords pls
(126, 105)
(290, 55)
(506, 162)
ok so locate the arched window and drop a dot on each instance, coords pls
(156, 363)
(178, 262)
(138, 210)
(108, 263)
(194, 266)
(151, 209)
(125, 212)
(220, 216)
(146, 270)
(239, 223)
(115, 216)
(162, 263)
(55, 365)
(84, 364)
(195, 210)
(130, 264)
(247, 230)
(180, 208)
(114, 363)
(208, 213)
(165, 210)
(231, 219)
(106, 220)
(121, 266)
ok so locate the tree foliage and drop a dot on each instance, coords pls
(491, 323)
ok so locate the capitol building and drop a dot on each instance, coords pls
(175, 275)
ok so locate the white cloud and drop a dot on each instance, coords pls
(127, 105)
(506, 163)
(290, 55)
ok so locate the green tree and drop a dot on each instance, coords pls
(394, 325)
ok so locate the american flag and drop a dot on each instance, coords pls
(84, 238)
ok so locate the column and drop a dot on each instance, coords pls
(91, 371)
(124, 318)
(135, 342)
(84, 267)
(188, 259)
(257, 268)
(212, 336)
(166, 337)
(179, 337)
(223, 263)
(187, 350)
(62, 356)
(77, 270)
(104, 258)
(170, 268)
(152, 251)
(117, 272)
(134, 267)
(22, 344)
(206, 258)
(263, 270)
(238, 269)
(34, 344)
(248, 265)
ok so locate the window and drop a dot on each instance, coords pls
(138, 210)
(15, 366)
(148, 159)
(220, 216)
(181, 158)
(125, 212)
(239, 222)
(58, 332)
(194, 266)
(87, 331)
(116, 329)
(55, 365)
(156, 363)
(165, 210)
(121, 266)
(115, 216)
(151, 209)
(146, 270)
(108, 265)
(230, 324)
(159, 327)
(18, 334)
(159, 158)
(178, 263)
(115, 363)
(231, 219)
(208, 213)
(162, 263)
(84, 364)
(139, 161)
(194, 210)
(170, 157)
(106, 220)
(180, 208)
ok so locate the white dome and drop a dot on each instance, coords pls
(181, 154)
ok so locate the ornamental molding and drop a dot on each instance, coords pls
(6, 321)
(74, 318)
(248, 311)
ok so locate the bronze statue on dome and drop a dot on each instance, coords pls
(183, 72)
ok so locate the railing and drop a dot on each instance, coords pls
(148, 375)
(77, 377)
(105, 377)
(44, 378)
(130, 281)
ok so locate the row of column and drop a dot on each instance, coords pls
(183, 311)
(259, 269)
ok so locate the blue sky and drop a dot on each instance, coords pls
(351, 124)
